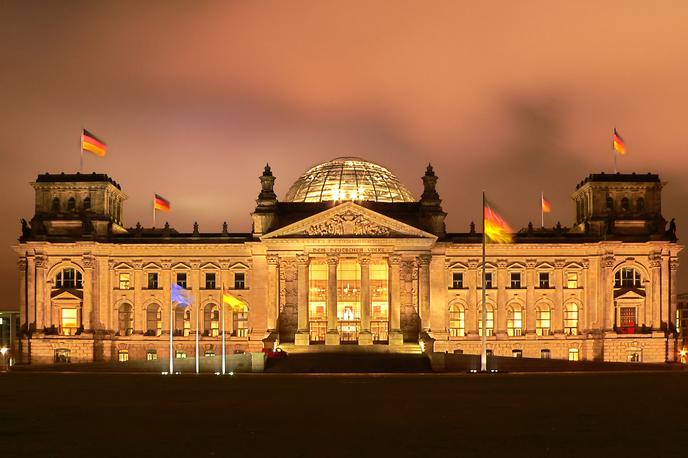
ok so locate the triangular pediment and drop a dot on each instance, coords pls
(66, 295)
(348, 220)
(630, 295)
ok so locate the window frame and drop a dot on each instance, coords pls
(518, 282)
(457, 280)
(240, 282)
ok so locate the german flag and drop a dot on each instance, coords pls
(160, 203)
(546, 205)
(496, 229)
(92, 144)
(618, 143)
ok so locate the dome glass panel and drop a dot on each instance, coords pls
(348, 178)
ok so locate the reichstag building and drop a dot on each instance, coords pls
(348, 257)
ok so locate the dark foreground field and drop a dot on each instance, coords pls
(584, 414)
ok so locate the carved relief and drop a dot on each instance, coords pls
(655, 261)
(348, 223)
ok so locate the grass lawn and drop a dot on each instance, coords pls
(582, 414)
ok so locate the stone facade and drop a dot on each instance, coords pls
(92, 290)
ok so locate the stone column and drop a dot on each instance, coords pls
(472, 301)
(195, 286)
(365, 337)
(395, 335)
(673, 297)
(41, 305)
(23, 312)
(302, 334)
(332, 337)
(665, 301)
(424, 286)
(558, 316)
(273, 292)
(138, 306)
(87, 300)
(608, 312)
(531, 309)
(31, 293)
(583, 315)
(501, 311)
(166, 284)
(655, 268)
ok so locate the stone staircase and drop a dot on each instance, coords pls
(407, 348)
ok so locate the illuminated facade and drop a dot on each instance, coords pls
(348, 258)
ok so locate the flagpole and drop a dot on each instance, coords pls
(615, 171)
(222, 304)
(171, 333)
(81, 151)
(542, 208)
(153, 212)
(197, 309)
(483, 340)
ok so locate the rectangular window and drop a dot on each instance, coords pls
(627, 319)
(151, 355)
(489, 352)
(180, 354)
(516, 280)
(181, 279)
(239, 280)
(545, 354)
(572, 280)
(210, 280)
(544, 280)
(517, 353)
(573, 354)
(542, 322)
(152, 280)
(488, 280)
(123, 356)
(69, 321)
(124, 281)
(241, 324)
(457, 280)
(209, 353)
(489, 323)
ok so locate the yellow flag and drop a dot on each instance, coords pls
(234, 302)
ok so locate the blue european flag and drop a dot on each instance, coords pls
(180, 295)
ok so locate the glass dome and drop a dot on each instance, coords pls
(348, 178)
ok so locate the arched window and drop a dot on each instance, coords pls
(240, 319)
(457, 323)
(71, 204)
(514, 321)
(628, 277)
(625, 204)
(489, 323)
(153, 320)
(56, 204)
(640, 204)
(610, 203)
(68, 278)
(571, 320)
(211, 320)
(182, 321)
(543, 321)
(126, 320)
(87, 203)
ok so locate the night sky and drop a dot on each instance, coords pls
(193, 98)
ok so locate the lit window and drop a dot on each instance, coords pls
(153, 320)
(123, 356)
(545, 354)
(317, 297)
(124, 281)
(182, 321)
(517, 353)
(210, 280)
(151, 355)
(126, 320)
(572, 280)
(152, 280)
(62, 355)
(181, 279)
(489, 323)
(456, 321)
(239, 280)
(633, 357)
(211, 320)
(542, 321)
(544, 280)
(457, 280)
(571, 319)
(515, 280)
(69, 321)
(573, 354)
(514, 322)
(241, 323)
(180, 354)
(627, 277)
(209, 353)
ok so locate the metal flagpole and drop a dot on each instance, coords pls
(81, 151)
(483, 340)
(171, 333)
(153, 211)
(615, 153)
(222, 304)
(542, 208)
(197, 360)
